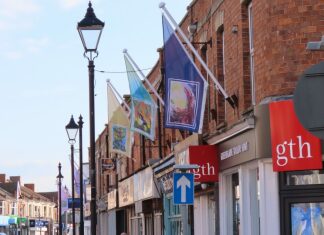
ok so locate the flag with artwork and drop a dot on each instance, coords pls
(143, 107)
(185, 87)
(120, 138)
(64, 198)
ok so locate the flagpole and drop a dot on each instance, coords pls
(148, 82)
(175, 25)
(120, 97)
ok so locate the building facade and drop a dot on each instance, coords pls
(257, 51)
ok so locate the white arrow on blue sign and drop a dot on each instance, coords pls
(183, 188)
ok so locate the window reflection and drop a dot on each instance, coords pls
(305, 177)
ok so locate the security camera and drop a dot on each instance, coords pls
(315, 46)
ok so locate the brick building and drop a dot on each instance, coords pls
(257, 51)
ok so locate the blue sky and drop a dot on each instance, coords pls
(44, 76)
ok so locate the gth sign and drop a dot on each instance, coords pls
(293, 147)
(205, 156)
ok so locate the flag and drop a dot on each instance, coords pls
(77, 181)
(143, 107)
(113, 103)
(64, 198)
(185, 87)
(120, 139)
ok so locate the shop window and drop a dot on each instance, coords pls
(136, 223)
(302, 202)
(236, 204)
(148, 224)
(158, 223)
(1, 207)
(211, 214)
(14, 208)
(304, 177)
(173, 218)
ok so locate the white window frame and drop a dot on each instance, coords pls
(14, 208)
(251, 47)
(2, 206)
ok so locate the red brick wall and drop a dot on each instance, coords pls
(282, 29)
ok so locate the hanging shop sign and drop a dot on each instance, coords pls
(205, 156)
(107, 165)
(126, 192)
(4, 220)
(166, 182)
(145, 187)
(112, 202)
(293, 147)
(181, 149)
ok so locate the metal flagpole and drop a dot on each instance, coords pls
(175, 25)
(144, 77)
(112, 87)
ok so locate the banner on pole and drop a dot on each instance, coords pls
(185, 87)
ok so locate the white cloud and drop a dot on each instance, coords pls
(67, 4)
(17, 14)
(14, 8)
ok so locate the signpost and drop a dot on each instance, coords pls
(183, 188)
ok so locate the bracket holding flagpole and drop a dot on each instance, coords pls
(117, 93)
(231, 100)
(143, 76)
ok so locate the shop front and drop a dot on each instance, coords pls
(148, 206)
(125, 215)
(4, 224)
(248, 186)
(38, 227)
(297, 156)
(170, 214)
(22, 226)
(111, 207)
(206, 190)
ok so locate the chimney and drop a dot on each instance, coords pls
(2, 178)
(30, 186)
(14, 178)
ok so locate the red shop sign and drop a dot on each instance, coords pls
(206, 157)
(293, 147)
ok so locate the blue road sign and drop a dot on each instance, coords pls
(183, 188)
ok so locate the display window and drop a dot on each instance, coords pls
(302, 202)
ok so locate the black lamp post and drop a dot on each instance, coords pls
(59, 177)
(72, 130)
(81, 175)
(90, 29)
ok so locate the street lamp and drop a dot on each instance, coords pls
(90, 29)
(59, 177)
(81, 175)
(72, 130)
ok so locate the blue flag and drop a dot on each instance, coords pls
(185, 87)
(143, 108)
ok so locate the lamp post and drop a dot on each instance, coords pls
(90, 29)
(72, 130)
(80, 123)
(59, 177)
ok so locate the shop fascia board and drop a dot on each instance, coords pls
(247, 124)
